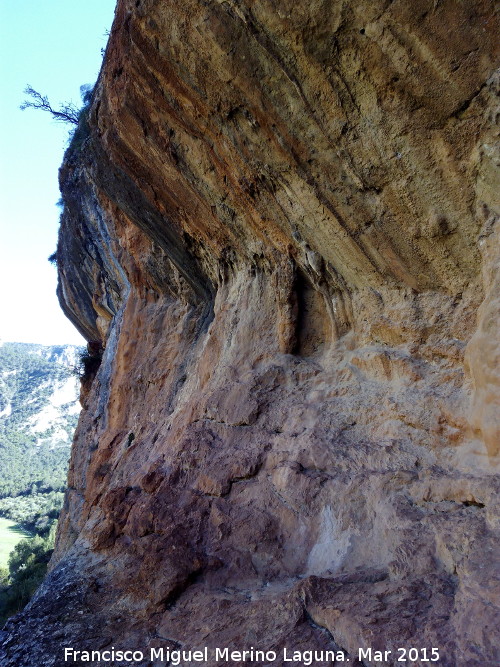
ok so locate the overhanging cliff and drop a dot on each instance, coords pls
(281, 220)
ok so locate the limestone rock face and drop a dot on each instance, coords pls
(282, 222)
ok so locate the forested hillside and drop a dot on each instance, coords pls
(38, 414)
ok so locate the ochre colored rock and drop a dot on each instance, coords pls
(281, 220)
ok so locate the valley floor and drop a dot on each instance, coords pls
(10, 535)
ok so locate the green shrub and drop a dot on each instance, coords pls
(27, 568)
(88, 363)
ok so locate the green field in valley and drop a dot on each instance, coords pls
(10, 535)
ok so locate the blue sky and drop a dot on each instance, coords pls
(55, 46)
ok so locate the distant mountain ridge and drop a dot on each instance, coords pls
(39, 408)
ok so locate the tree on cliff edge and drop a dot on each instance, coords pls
(67, 113)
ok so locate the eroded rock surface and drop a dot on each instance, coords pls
(282, 222)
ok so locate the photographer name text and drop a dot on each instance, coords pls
(176, 657)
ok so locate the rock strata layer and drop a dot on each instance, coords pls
(281, 220)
